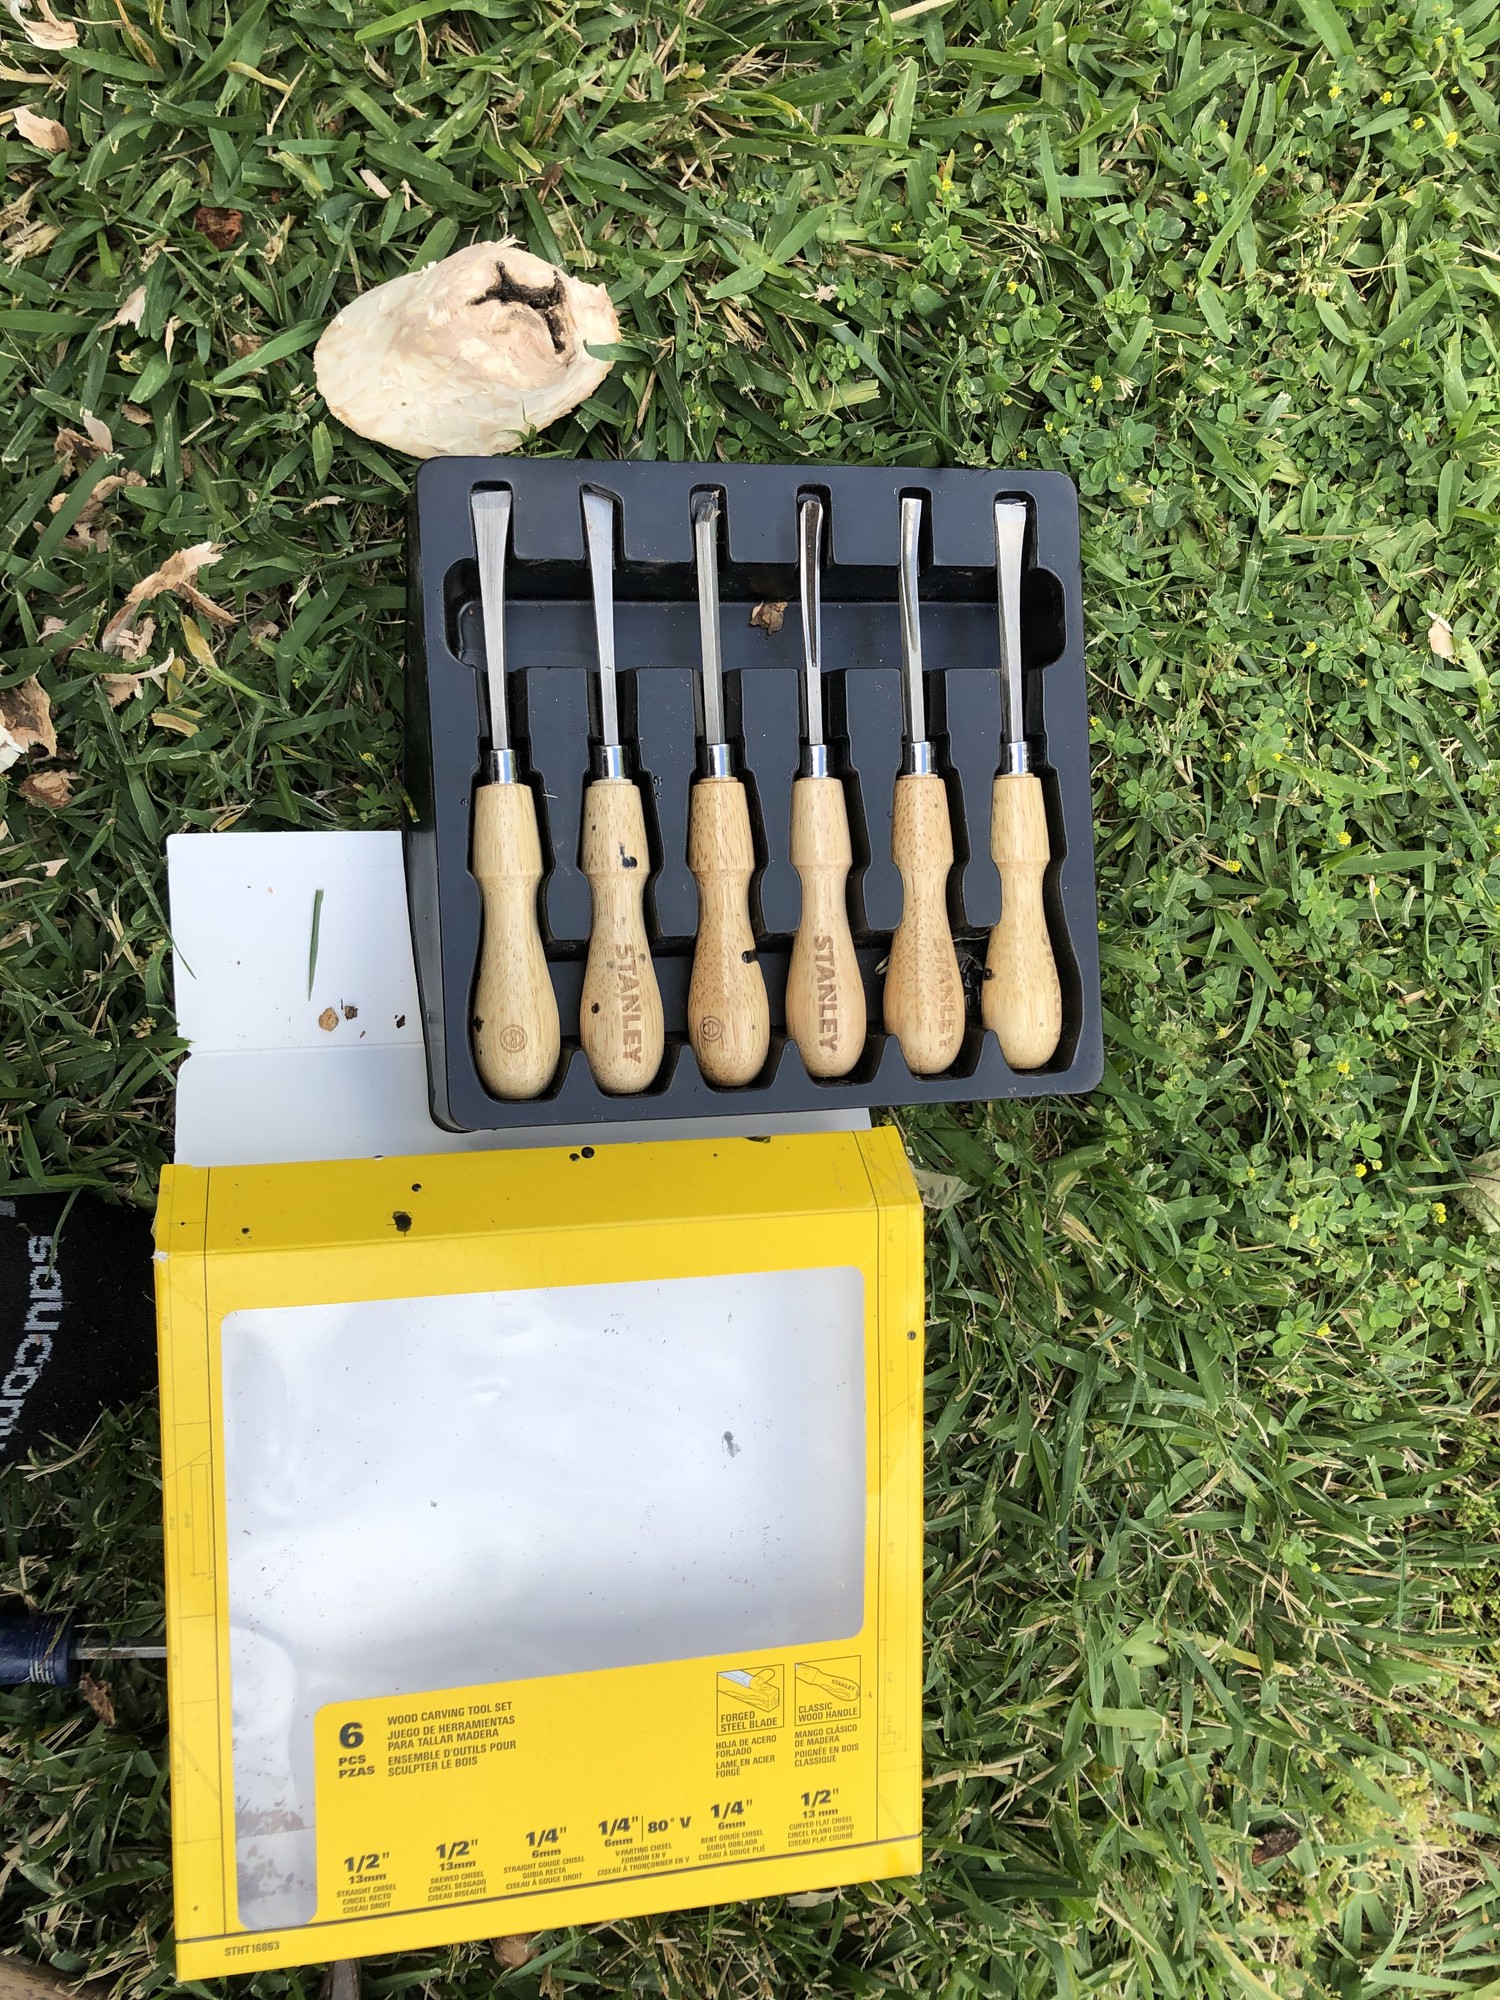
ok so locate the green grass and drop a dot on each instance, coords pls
(1215, 1480)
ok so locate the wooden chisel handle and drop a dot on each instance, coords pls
(729, 1017)
(516, 1032)
(1022, 1000)
(620, 1022)
(825, 997)
(924, 992)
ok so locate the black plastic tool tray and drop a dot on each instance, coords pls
(551, 658)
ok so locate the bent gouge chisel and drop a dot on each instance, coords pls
(620, 1020)
(1022, 1001)
(515, 1024)
(924, 991)
(825, 997)
(729, 1017)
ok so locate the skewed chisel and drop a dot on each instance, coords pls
(825, 997)
(729, 1017)
(1022, 1000)
(515, 1023)
(620, 1021)
(924, 991)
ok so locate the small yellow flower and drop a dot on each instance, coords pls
(1376, 1165)
(1417, 124)
(1360, 1171)
(1335, 90)
(1294, 1222)
(1343, 1068)
(1234, 867)
(1415, 763)
(1022, 452)
(1261, 168)
(1450, 138)
(1439, 1212)
(1309, 649)
(1385, 97)
(895, 229)
(1275, 756)
(1324, 1331)
(1223, 124)
(1011, 285)
(1345, 838)
(1096, 381)
(1200, 197)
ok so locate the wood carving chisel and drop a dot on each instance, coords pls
(924, 991)
(515, 1023)
(620, 1021)
(729, 1017)
(1022, 1000)
(825, 997)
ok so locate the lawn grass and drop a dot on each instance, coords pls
(1213, 1523)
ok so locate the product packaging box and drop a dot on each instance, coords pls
(543, 1538)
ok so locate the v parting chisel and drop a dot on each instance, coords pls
(729, 1017)
(924, 990)
(620, 1021)
(515, 1022)
(1022, 1000)
(825, 997)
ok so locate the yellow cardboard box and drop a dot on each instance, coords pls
(370, 1378)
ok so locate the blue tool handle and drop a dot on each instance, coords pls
(37, 1649)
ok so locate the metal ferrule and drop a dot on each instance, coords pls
(814, 761)
(718, 760)
(609, 761)
(503, 768)
(918, 761)
(1015, 760)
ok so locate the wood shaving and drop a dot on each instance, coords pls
(134, 645)
(1440, 639)
(120, 688)
(105, 489)
(468, 355)
(179, 575)
(99, 433)
(25, 722)
(41, 27)
(52, 789)
(514, 1952)
(75, 448)
(98, 1697)
(43, 133)
(131, 311)
(768, 617)
(328, 1020)
(222, 227)
(31, 241)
